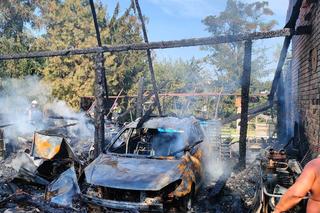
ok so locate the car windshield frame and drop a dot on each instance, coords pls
(127, 141)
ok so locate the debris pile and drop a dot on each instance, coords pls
(231, 191)
(43, 172)
(245, 183)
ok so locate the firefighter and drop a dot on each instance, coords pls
(116, 110)
(34, 113)
(308, 181)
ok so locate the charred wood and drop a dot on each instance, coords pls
(139, 110)
(96, 26)
(155, 45)
(100, 91)
(63, 118)
(135, 105)
(251, 112)
(146, 40)
(2, 144)
(101, 97)
(281, 62)
(218, 186)
(114, 102)
(47, 131)
(245, 89)
(95, 21)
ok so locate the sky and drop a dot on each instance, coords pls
(178, 19)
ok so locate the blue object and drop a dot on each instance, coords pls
(169, 130)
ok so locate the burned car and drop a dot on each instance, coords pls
(149, 166)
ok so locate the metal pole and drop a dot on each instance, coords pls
(245, 89)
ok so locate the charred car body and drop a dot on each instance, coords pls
(148, 166)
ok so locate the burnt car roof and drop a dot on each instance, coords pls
(190, 126)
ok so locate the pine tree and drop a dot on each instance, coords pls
(72, 77)
(17, 20)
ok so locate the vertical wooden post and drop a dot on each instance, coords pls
(245, 89)
(100, 96)
(153, 78)
(2, 144)
(100, 91)
(139, 108)
(277, 75)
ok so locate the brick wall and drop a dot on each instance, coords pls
(305, 78)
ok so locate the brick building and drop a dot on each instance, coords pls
(301, 79)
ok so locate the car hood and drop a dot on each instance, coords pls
(132, 173)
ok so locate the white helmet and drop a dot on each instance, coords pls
(34, 102)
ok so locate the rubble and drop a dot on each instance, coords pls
(55, 169)
(245, 183)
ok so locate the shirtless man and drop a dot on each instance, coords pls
(308, 181)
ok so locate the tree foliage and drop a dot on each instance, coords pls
(29, 25)
(227, 59)
(183, 76)
(16, 19)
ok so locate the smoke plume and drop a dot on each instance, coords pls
(16, 96)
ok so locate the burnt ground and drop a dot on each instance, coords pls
(237, 195)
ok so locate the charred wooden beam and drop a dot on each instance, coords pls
(63, 118)
(155, 45)
(252, 113)
(99, 109)
(294, 11)
(95, 21)
(2, 144)
(146, 40)
(245, 89)
(96, 26)
(201, 94)
(218, 186)
(281, 62)
(139, 103)
(100, 91)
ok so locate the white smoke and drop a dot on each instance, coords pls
(15, 100)
(213, 165)
(16, 96)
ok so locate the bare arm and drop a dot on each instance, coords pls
(298, 190)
